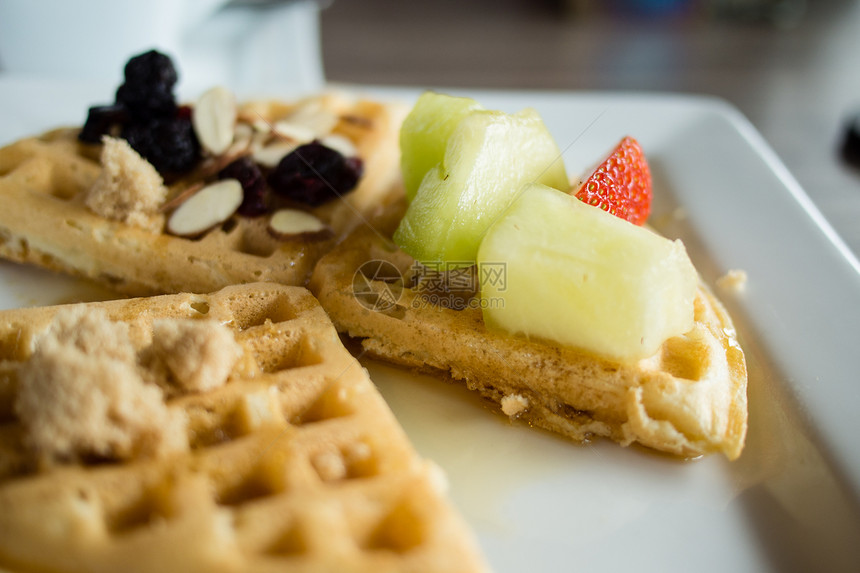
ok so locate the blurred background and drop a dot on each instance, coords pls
(791, 66)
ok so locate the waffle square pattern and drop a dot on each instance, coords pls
(285, 459)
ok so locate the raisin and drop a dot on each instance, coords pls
(314, 174)
(102, 120)
(255, 191)
(168, 143)
(148, 89)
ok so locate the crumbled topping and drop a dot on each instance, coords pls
(199, 354)
(81, 394)
(735, 280)
(91, 332)
(514, 404)
(129, 189)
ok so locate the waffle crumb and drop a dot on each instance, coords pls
(199, 354)
(81, 394)
(129, 189)
(735, 281)
(514, 404)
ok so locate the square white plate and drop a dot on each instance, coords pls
(539, 503)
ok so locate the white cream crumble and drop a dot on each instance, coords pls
(81, 393)
(735, 280)
(514, 404)
(128, 189)
(199, 354)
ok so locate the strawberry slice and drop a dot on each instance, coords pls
(621, 185)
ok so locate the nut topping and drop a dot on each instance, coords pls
(208, 207)
(313, 116)
(214, 119)
(341, 144)
(271, 155)
(293, 132)
(293, 224)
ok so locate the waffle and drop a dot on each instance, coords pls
(294, 464)
(689, 399)
(45, 221)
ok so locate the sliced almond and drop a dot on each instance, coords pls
(341, 144)
(261, 125)
(251, 110)
(270, 155)
(243, 139)
(259, 140)
(242, 132)
(214, 119)
(293, 131)
(288, 224)
(236, 150)
(313, 115)
(210, 206)
(357, 121)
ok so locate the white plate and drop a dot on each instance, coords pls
(539, 503)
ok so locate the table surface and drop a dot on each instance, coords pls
(797, 79)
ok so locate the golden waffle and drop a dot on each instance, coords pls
(44, 220)
(688, 399)
(295, 464)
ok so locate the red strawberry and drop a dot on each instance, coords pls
(621, 185)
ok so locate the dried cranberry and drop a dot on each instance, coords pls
(168, 143)
(255, 198)
(102, 120)
(184, 111)
(148, 89)
(314, 174)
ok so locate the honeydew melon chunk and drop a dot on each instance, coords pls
(425, 132)
(578, 276)
(488, 159)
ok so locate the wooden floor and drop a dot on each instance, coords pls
(797, 78)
